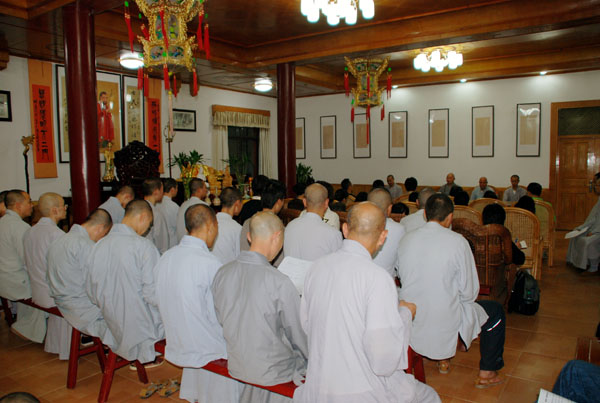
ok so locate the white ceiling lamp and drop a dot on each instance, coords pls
(438, 60)
(335, 10)
(263, 84)
(132, 61)
(543, 73)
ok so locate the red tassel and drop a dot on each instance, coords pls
(346, 84)
(382, 111)
(368, 86)
(206, 42)
(199, 32)
(175, 85)
(129, 31)
(140, 78)
(368, 124)
(166, 77)
(162, 27)
(146, 85)
(145, 32)
(195, 83)
(352, 115)
(389, 85)
(368, 112)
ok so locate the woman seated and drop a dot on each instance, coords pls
(495, 214)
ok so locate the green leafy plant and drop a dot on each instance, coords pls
(303, 173)
(237, 166)
(183, 159)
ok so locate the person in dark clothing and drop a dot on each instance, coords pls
(410, 184)
(461, 198)
(253, 206)
(490, 195)
(495, 214)
(400, 208)
(413, 197)
(526, 203)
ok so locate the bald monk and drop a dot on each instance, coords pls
(153, 191)
(358, 333)
(198, 193)
(227, 245)
(417, 219)
(194, 337)
(387, 256)
(259, 309)
(14, 280)
(479, 191)
(308, 237)
(115, 205)
(120, 281)
(66, 275)
(36, 243)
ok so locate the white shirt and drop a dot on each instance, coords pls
(184, 276)
(395, 191)
(387, 256)
(36, 243)
(181, 231)
(357, 336)
(513, 196)
(169, 210)
(414, 220)
(114, 208)
(14, 280)
(227, 244)
(309, 238)
(330, 218)
(438, 274)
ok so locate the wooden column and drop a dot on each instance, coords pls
(80, 65)
(286, 124)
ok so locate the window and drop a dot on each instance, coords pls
(243, 141)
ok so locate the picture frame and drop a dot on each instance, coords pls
(134, 120)
(300, 138)
(5, 107)
(529, 129)
(438, 124)
(482, 131)
(328, 137)
(184, 120)
(110, 122)
(398, 134)
(362, 135)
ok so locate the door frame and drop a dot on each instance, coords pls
(555, 106)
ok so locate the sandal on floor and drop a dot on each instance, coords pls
(171, 386)
(153, 364)
(482, 383)
(152, 388)
(443, 367)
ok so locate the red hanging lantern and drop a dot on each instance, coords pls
(368, 124)
(382, 111)
(206, 42)
(389, 83)
(175, 85)
(166, 77)
(368, 112)
(352, 115)
(140, 78)
(346, 82)
(199, 32)
(195, 78)
(162, 28)
(129, 30)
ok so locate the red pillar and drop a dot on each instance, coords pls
(286, 124)
(80, 65)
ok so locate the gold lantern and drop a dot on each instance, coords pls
(367, 71)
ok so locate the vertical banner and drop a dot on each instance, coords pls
(153, 128)
(40, 96)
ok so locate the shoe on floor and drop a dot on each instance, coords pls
(443, 366)
(86, 340)
(482, 383)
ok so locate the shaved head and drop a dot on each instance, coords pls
(13, 197)
(99, 217)
(365, 220)
(198, 217)
(229, 196)
(381, 198)
(424, 195)
(264, 224)
(316, 195)
(126, 190)
(137, 207)
(48, 201)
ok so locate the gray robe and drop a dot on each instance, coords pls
(121, 282)
(170, 209)
(113, 206)
(192, 201)
(159, 233)
(309, 238)
(585, 248)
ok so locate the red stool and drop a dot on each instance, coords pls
(114, 362)
(415, 365)
(78, 351)
(8, 316)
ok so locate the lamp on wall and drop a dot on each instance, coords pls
(335, 10)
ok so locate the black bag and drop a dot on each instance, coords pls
(525, 295)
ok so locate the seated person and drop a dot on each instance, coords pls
(378, 183)
(115, 205)
(495, 214)
(444, 285)
(357, 330)
(461, 198)
(410, 184)
(578, 381)
(330, 218)
(2, 204)
(490, 194)
(259, 308)
(447, 187)
(170, 209)
(417, 219)
(584, 249)
(299, 189)
(361, 197)
(480, 190)
(400, 208)
(308, 237)
(413, 197)
(251, 207)
(337, 206)
(296, 204)
(526, 203)
(194, 336)
(347, 186)
(227, 245)
(341, 197)
(120, 281)
(153, 191)
(392, 186)
(534, 190)
(66, 276)
(455, 190)
(514, 192)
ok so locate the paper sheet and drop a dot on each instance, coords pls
(576, 232)
(549, 397)
(296, 270)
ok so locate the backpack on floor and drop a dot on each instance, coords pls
(525, 295)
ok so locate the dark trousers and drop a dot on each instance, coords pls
(491, 344)
(579, 381)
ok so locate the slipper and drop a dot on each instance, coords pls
(151, 388)
(482, 383)
(443, 367)
(169, 388)
(153, 364)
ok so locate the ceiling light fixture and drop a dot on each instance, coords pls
(335, 10)
(394, 86)
(438, 59)
(263, 84)
(543, 73)
(463, 80)
(131, 60)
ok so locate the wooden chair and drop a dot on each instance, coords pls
(114, 362)
(545, 213)
(525, 226)
(288, 215)
(403, 198)
(492, 249)
(468, 213)
(412, 207)
(480, 204)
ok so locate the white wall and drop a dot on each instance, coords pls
(15, 79)
(459, 98)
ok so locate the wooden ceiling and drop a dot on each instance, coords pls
(498, 38)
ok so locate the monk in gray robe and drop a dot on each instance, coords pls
(417, 219)
(198, 193)
(115, 205)
(152, 189)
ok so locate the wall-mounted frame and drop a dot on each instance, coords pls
(438, 124)
(528, 129)
(184, 120)
(482, 131)
(328, 137)
(5, 107)
(108, 109)
(362, 136)
(398, 134)
(300, 139)
(133, 111)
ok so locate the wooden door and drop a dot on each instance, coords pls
(576, 160)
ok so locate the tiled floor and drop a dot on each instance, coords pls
(536, 349)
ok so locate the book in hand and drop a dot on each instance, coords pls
(576, 232)
(296, 270)
(549, 397)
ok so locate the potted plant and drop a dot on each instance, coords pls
(189, 165)
(303, 173)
